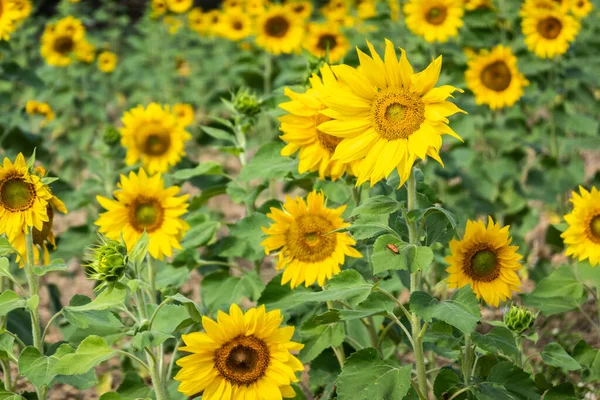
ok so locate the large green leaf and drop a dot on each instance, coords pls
(268, 163)
(111, 297)
(366, 376)
(317, 338)
(498, 340)
(387, 254)
(219, 289)
(377, 205)
(205, 168)
(9, 301)
(553, 354)
(507, 381)
(558, 292)
(91, 352)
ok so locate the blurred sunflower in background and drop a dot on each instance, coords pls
(434, 20)
(196, 20)
(548, 33)
(386, 115)
(240, 356)
(300, 8)
(232, 4)
(22, 8)
(300, 130)
(142, 203)
(64, 42)
(279, 31)
(494, 78)
(235, 24)
(532, 6)
(255, 7)
(34, 107)
(471, 5)
(107, 61)
(212, 22)
(485, 260)
(184, 113)
(326, 40)
(158, 8)
(8, 16)
(335, 10)
(582, 237)
(309, 250)
(581, 8)
(365, 9)
(153, 136)
(179, 6)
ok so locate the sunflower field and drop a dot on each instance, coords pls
(312, 200)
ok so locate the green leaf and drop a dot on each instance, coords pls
(91, 352)
(149, 338)
(39, 369)
(367, 226)
(512, 381)
(56, 265)
(317, 338)
(268, 163)
(446, 383)
(219, 134)
(553, 354)
(140, 249)
(219, 289)
(169, 317)
(588, 358)
(461, 311)
(384, 257)
(375, 304)
(205, 168)
(418, 258)
(109, 298)
(200, 235)
(5, 247)
(7, 344)
(9, 301)
(366, 376)
(558, 292)
(377, 205)
(499, 339)
(564, 391)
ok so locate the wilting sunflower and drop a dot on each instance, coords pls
(34, 107)
(23, 198)
(548, 33)
(309, 250)
(494, 78)
(107, 61)
(153, 136)
(236, 24)
(582, 237)
(179, 6)
(435, 20)
(184, 113)
(22, 8)
(41, 237)
(8, 17)
(581, 8)
(64, 41)
(300, 131)
(387, 115)
(241, 356)
(144, 204)
(279, 31)
(301, 8)
(327, 40)
(485, 260)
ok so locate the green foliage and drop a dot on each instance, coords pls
(559, 292)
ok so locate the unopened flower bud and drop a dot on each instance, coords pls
(518, 319)
(111, 135)
(108, 262)
(246, 103)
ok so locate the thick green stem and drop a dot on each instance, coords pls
(7, 377)
(155, 374)
(152, 277)
(467, 362)
(267, 75)
(339, 352)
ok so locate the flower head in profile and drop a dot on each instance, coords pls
(494, 77)
(582, 237)
(279, 31)
(107, 61)
(142, 203)
(435, 20)
(240, 356)
(154, 136)
(303, 233)
(485, 260)
(549, 33)
(387, 115)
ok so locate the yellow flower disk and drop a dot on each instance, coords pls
(279, 31)
(309, 250)
(494, 78)
(435, 20)
(548, 33)
(387, 115)
(582, 237)
(142, 203)
(485, 260)
(240, 356)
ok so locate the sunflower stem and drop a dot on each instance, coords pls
(267, 74)
(467, 362)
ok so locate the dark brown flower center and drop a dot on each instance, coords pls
(496, 76)
(481, 264)
(310, 239)
(243, 360)
(299, 8)
(436, 15)
(16, 194)
(595, 227)
(327, 42)
(549, 28)
(277, 26)
(237, 25)
(156, 144)
(146, 214)
(64, 44)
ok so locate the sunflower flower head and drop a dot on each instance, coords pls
(549, 32)
(9, 16)
(240, 356)
(582, 237)
(581, 8)
(107, 61)
(309, 249)
(327, 41)
(386, 115)
(435, 20)
(279, 31)
(485, 260)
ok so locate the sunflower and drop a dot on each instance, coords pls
(241, 356)
(153, 136)
(581, 8)
(477, 4)
(485, 260)
(63, 41)
(107, 61)
(394, 6)
(309, 250)
(23, 198)
(365, 9)
(548, 33)
(158, 8)
(41, 237)
(255, 7)
(532, 6)
(196, 20)
(184, 113)
(301, 133)
(212, 21)
(34, 107)
(327, 40)
(435, 20)
(494, 78)
(173, 23)
(22, 8)
(279, 30)
(582, 237)
(179, 6)
(387, 115)
(236, 24)
(8, 16)
(301, 8)
(144, 204)
(335, 10)
(232, 4)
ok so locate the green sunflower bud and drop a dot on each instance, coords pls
(518, 319)
(111, 135)
(108, 262)
(246, 103)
